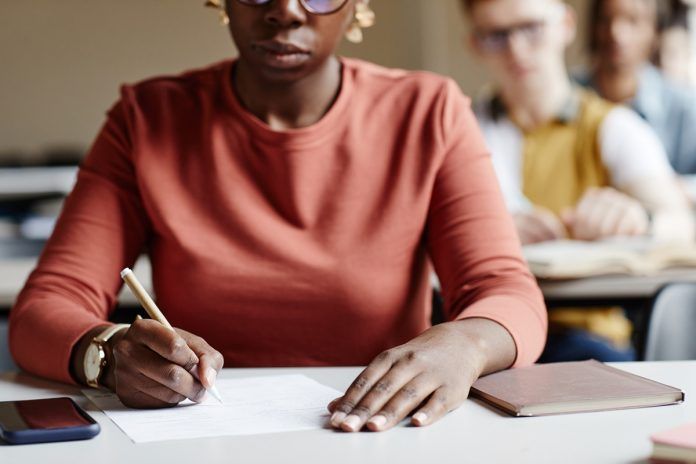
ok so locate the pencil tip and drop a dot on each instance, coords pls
(215, 394)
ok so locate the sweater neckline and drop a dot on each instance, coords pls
(313, 134)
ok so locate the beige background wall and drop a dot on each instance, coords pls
(62, 60)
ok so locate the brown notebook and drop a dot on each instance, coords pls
(569, 387)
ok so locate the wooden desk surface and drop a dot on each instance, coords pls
(473, 433)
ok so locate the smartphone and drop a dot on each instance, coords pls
(45, 420)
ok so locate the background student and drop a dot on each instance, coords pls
(623, 36)
(570, 164)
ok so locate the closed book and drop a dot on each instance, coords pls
(675, 445)
(570, 387)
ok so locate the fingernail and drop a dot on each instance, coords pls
(352, 422)
(200, 396)
(378, 421)
(420, 417)
(210, 376)
(337, 418)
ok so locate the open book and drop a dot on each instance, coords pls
(567, 259)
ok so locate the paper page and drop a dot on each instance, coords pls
(252, 405)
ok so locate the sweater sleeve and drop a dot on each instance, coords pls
(101, 230)
(472, 240)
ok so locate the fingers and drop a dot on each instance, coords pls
(143, 366)
(168, 344)
(551, 223)
(609, 224)
(155, 367)
(382, 402)
(362, 384)
(137, 391)
(539, 226)
(440, 403)
(587, 215)
(210, 360)
(634, 222)
(401, 404)
(607, 212)
(332, 405)
(390, 385)
(437, 369)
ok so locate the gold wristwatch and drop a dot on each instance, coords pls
(95, 357)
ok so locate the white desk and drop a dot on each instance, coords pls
(473, 433)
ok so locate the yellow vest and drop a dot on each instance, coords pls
(561, 160)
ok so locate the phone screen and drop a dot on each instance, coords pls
(45, 414)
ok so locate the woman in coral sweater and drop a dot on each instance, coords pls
(291, 203)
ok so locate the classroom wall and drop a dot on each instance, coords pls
(62, 61)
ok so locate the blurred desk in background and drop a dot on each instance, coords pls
(14, 273)
(610, 289)
(586, 291)
(36, 182)
(635, 294)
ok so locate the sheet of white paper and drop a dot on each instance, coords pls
(252, 405)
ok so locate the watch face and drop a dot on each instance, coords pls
(93, 360)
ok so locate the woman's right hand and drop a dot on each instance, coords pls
(152, 367)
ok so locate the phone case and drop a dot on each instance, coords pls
(21, 437)
(43, 435)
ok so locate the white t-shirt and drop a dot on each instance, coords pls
(630, 151)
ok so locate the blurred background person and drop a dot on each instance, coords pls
(675, 51)
(622, 41)
(571, 164)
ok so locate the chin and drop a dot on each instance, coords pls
(281, 73)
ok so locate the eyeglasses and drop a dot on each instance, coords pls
(499, 40)
(531, 32)
(319, 7)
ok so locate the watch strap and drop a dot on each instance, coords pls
(109, 332)
(100, 340)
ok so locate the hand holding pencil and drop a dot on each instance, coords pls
(159, 366)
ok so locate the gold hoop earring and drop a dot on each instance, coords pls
(364, 18)
(220, 6)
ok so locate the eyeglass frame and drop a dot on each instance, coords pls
(304, 4)
(506, 35)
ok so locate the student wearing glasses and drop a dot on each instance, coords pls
(571, 165)
(291, 203)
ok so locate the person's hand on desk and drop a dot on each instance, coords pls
(606, 212)
(538, 225)
(433, 372)
(150, 366)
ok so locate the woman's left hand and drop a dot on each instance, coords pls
(436, 368)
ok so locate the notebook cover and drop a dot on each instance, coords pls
(557, 383)
(682, 437)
